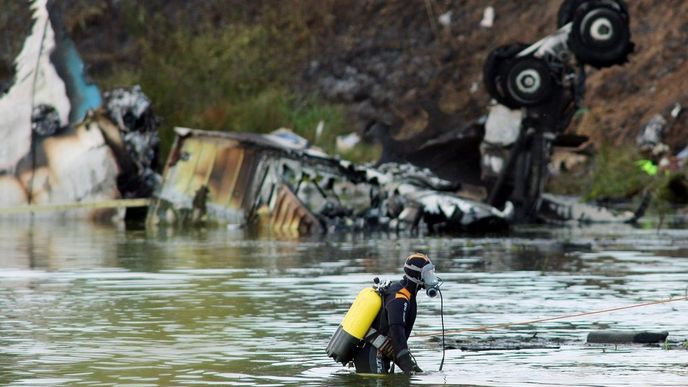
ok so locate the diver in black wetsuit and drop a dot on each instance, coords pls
(387, 340)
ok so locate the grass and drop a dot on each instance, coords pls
(236, 78)
(611, 174)
(615, 174)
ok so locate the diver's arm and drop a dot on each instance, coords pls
(397, 333)
(402, 356)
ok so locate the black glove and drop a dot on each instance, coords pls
(406, 363)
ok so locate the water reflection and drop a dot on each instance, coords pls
(85, 304)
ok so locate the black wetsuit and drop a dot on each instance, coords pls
(395, 320)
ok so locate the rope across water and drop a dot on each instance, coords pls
(567, 316)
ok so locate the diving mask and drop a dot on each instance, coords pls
(431, 282)
(428, 279)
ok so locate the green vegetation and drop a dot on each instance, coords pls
(612, 173)
(616, 174)
(623, 173)
(620, 172)
(235, 78)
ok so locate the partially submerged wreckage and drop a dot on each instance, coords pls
(276, 180)
(64, 143)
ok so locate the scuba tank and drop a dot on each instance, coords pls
(356, 323)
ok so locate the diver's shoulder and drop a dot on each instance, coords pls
(397, 291)
(394, 287)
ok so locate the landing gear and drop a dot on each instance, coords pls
(496, 70)
(529, 81)
(600, 34)
(568, 9)
(540, 80)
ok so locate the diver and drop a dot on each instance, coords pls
(375, 331)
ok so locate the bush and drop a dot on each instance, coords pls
(616, 174)
(235, 78)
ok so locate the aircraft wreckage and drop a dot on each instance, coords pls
(277, 181)
(66, 144)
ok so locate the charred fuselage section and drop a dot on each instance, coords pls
(247, 179)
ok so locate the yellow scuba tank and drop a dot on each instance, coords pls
(355, 325)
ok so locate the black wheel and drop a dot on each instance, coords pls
(568, 9)
(495, 70)
(529, 81)
(600, 35)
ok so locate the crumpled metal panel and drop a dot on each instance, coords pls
(200, 181)
(77, 166)
(560, 209)
(222, 178)
(289, 215)
(88, 162)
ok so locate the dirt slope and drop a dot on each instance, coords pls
(393, 61)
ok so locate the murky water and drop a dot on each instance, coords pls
(83, 304)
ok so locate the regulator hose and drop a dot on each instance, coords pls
(442, 318)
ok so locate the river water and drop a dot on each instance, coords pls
(82, 304)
